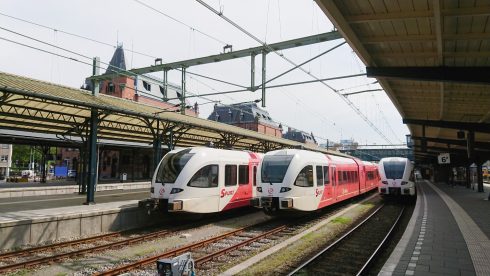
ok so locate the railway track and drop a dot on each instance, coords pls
(367, 240)
(212, 253)
(30, 258)
(201, 248)
(52, 253)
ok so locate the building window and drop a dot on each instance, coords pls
(4, 158)
(147, 86)
(110, 88)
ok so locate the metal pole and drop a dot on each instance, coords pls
(479, 176)
(157, 147)
(264, 53)
(252, 72)
(182, 100)
(92, 157)
(165, 85)
(94, 118)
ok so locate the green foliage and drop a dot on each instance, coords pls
(342, 220)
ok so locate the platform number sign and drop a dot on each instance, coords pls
(444, 158)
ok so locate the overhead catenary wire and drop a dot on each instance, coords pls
(115, 46)
(180, 22)
(120, 71)
(107, 44)
(220, 14)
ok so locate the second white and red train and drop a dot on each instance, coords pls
(207, 180)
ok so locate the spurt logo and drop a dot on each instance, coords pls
(318, 192)
(270, 190)
(162, 191)
(226, 193)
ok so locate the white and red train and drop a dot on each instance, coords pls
(204, 180)
(208, 180)
(303, 180)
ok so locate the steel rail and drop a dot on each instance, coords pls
(223, 251)
(381, 245)
(56, 245)
(56, 257)
(335, 242)
(172, 253)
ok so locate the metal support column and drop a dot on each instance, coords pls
(92, 181)
(252, 72)
(264, 53)
(182, 100)
(165, 84)
(468, 175)
(92, 152)
(157, 147)
(170, 140)
(479, 176)
(471, 146)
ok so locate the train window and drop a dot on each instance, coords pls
(171, 166)
(230, 175)
(326, 178)
(206, 177)
(319, 176)
(243, 174)
(345, 177)
(394, 169)
(274, 168)
(305, 177)
(255, 175)
(339, 176)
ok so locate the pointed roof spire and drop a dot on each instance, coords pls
(118, 61)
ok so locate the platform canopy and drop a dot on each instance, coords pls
(433, 60)
(40, 107)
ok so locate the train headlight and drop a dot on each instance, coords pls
(284, 189)
(152, 190)
(259, 189)
(384, 182)
(176, 190)
(404, 182)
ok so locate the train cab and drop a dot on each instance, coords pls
(396, 176)
(204, 180)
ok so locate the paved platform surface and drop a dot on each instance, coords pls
(448, 234)
(66, 200)
(68, 211)
(36, 189)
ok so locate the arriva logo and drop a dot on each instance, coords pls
(318, 192)
(226, 193)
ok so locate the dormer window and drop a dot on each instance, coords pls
(110, 88)
(147, 86)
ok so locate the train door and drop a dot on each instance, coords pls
(362, 178)
(230, 192)
(319, 189)
(334, 183)
(328, 183)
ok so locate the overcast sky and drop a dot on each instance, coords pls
(310, 107)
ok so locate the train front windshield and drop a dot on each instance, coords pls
(171, 166)
(274, 168)
(394, 169)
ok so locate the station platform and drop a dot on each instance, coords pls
(448, 234)
(35, 226)
(58, 187)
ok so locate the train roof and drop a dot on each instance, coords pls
(222, 152)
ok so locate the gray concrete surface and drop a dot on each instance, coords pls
(29, 189)
(65, 200)
(46, 225)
